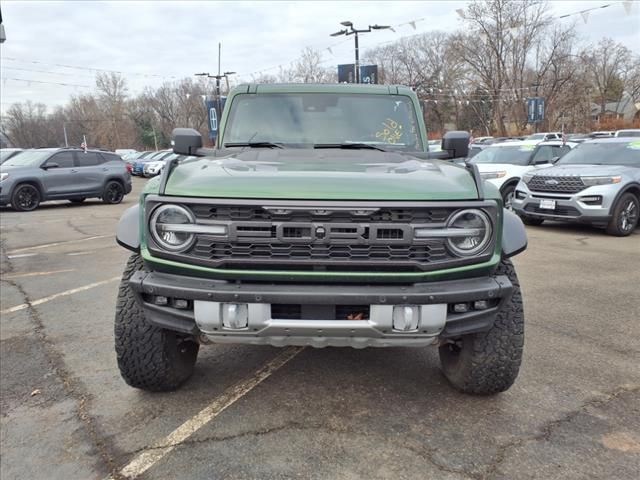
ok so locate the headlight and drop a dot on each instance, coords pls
(3, 176)
(469, 232)
(169, 227)
(490, 175)
(592, 181)
(526, 178)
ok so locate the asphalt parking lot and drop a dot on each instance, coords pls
(261, 412)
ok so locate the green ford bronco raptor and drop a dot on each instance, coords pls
(320, 219)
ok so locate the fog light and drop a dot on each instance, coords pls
(480, 304)
(520, 195)
(591, 200)
(235, 315)
(460, 307)
(181, 303)
(406, 317)
(159, 300)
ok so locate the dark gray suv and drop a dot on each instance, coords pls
(44, 174)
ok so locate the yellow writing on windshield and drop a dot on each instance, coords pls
(391, 132)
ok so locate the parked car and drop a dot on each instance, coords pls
(544, 136)
(435, 145)
(601, 134)
(131, 159)
(597, 183)
(632, 132)
(138, 164)
(35, 176)
(503, 164)
(155, 167)
(7, 153)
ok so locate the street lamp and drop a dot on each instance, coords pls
(351, 30)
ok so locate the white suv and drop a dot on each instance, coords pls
(503, 164)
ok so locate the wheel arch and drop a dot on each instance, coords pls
(30, 181)
(512, 181)
(632, 187)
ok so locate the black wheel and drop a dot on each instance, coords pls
(507, 196)
(625, 216)
(26, 197)
(149, 357)
(113, 192)
(486, 363)
(533, 221)
(77, 200)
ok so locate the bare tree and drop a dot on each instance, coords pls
(606, 64)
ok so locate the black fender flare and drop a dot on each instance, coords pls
(128, 231)
(512, 181)
(514, 235)
(631, 186)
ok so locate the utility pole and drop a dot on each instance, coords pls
(351, 30)
(64, 129)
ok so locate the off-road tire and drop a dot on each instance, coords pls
(25, 198)
(149, 357)
(531, 221)
(113, 192)
(488, 362)
(626, 201)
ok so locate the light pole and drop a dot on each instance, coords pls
(218, 78)
(351, 30)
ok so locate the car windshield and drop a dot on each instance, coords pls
(513, 154)
(4, 154)
(299, 119)
(28, 158)
(605, 153)
(628, 133)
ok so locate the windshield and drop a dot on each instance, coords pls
(609, 153)
(515, 155)
(298, 119)
(28, 158)
(4, 154)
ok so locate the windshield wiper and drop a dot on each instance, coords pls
(350, 146)
(255, 144)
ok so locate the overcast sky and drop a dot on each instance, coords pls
(155, 41)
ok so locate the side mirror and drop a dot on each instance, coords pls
(541, 161)
(49, 165)
(456, 143)
(186, 141)
(555, 159)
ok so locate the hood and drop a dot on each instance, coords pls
(499, 167)
(321, 174)
(586, 170)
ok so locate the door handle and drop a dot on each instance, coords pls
(73, 170)
(105, 169)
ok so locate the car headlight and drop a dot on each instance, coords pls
(3, 176)
(526, 178)
(593, 181)
(490, 175)
(169, 227)
(469, 232)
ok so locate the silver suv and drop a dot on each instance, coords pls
(597, 183)
(34, 176)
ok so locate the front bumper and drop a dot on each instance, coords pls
(204, 298)
(568, 207)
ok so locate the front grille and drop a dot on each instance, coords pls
(560, 210)
(539, 183)
(322, 236)
(237, 253)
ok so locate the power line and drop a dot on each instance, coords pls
(48, 83)
(48, 72)
(91, 69)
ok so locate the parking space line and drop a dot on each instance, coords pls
(145, 460)
(66, 293)
(37, 274)
(55, 244)
(21, 255)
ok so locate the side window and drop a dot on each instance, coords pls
(110, 157)
(88, 159)
(63, 159)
